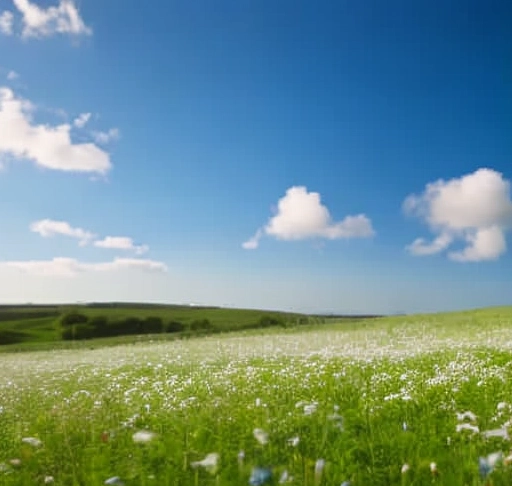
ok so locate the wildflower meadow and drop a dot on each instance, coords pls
(421, 400)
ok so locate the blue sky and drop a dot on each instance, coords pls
(309, 156)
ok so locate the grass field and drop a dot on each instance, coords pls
(411, 400)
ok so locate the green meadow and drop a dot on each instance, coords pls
(406, 400)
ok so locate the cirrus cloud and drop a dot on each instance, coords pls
(475, 209)
(47, 146)
(301, 215)
(70, 267)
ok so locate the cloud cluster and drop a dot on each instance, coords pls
(38, 22)
(47, 146)
(70, 267)
(301, 215)
(48, 228)
(475, 209)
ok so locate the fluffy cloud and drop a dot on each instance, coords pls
(12, 75)
(69, 267)
(301, 215)
(47, 146)
(475, 208)
(81, 120)
(121, 243)
(44, 22)
(6, 21)
(48, 228)
(103, 138)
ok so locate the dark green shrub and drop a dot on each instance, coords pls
(174, 326)
(72, 318)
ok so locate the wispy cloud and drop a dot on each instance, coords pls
(48, 228)
(6, 22)
(81, 120)
(70, 267)
(102, 138)
(301, 215)
(121, 243)
(48, 146)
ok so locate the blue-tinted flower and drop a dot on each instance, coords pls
(259, 476)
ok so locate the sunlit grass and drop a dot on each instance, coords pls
(375, 404)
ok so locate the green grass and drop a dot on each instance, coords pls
(344, 390)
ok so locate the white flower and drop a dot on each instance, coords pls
(210, 462)
(319, 468)
(32, 441)
(433, 467)
(48, 479)
(405, 468)
(285, 477)
(503, 433)
(294, 441)
(466, 426)
(114, 481)
(310, 408)
(143, 436)
(502, 405)
(467, 415)
(261, 436)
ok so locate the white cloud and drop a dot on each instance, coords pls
(253, 242)
(421, 247)
(48, 228)
(70, 267)
(44, 22)
(475, 208)
(50, 147)
(103, 138)
(301, 215)
(81, 120)
(12, 75)
(6, 21)
(121, 243)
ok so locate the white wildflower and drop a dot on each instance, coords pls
(48, 479)
(261, 436)
(466, 426)
(405, 468)
(503, 433)
(114, 481)
(143, 436)
(210, 462)
(467, 415)
(294, 441)
(33, 441)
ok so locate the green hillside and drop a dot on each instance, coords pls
(40, 324)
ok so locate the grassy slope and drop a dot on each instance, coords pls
(37, 324)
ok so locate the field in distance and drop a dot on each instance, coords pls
(33, 326)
